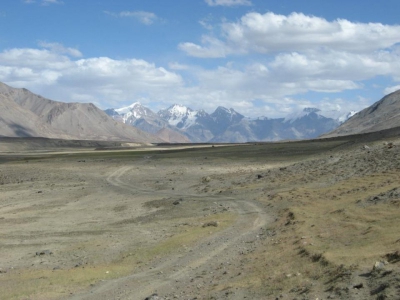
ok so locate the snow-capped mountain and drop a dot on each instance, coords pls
(135, 111)
(227, 125)
(179, 116)
(337, 115)
(145, 119)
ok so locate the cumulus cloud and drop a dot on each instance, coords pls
(272, 33)
(255, 89)
(227, 2)
(215, 48)
(299, 54)
(59, 48)
(101, 78)
(143, 17)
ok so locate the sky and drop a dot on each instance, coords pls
(260, 57)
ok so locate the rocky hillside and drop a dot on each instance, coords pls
(383, 114)
(24, 114)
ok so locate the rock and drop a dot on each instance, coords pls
(44, 252)
(211, 223)
(259, 176)
(153, 297)
(365, 147)
(358, 286)
(393, 257)
(177, 202)
(379, 265)
(206, 179)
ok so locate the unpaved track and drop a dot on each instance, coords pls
(168, 277)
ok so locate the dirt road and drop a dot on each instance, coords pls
(173, 276)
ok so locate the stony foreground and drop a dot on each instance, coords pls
(302, 220)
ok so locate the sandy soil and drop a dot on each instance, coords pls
(289, 221)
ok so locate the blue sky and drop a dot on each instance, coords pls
(260, 57)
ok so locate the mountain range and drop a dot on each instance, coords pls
(226, 125)
(24, 114)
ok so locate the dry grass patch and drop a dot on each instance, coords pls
(53, 284)
(322, 233)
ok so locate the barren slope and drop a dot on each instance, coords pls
(64, 120)
(383, 114)
(18, 122)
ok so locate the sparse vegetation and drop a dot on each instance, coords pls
(316, 221)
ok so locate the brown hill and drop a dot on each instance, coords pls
(172, 136)
(384, 114)
(24, 114)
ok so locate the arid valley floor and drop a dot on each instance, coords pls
(296, 220)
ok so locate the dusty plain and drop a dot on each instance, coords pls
(296, 220)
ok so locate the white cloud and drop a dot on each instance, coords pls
(59, 48)
(271, 33)
(48, 2)
(391, 89)
(227, 2)
(143, 17)
(177, 66)
(44, 2)
(108, 80)
(215, 48)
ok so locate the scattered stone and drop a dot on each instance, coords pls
(153, 297)
(358, 286)
(259, 176)
(211, 224)
(39, 192)
(393, 257)
(44, 252)
(177, 202)
(206, 179)
(379, 265)
(365, 147)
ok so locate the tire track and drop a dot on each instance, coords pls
(164, 276)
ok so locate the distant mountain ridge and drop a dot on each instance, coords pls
(226, 125)
(24, 114)
(383, 114)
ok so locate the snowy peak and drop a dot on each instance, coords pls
(135, 110)
(127, 109)
(225, 114)
(337, 115)
(315, 112)
(179, 116)
(227, 125)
